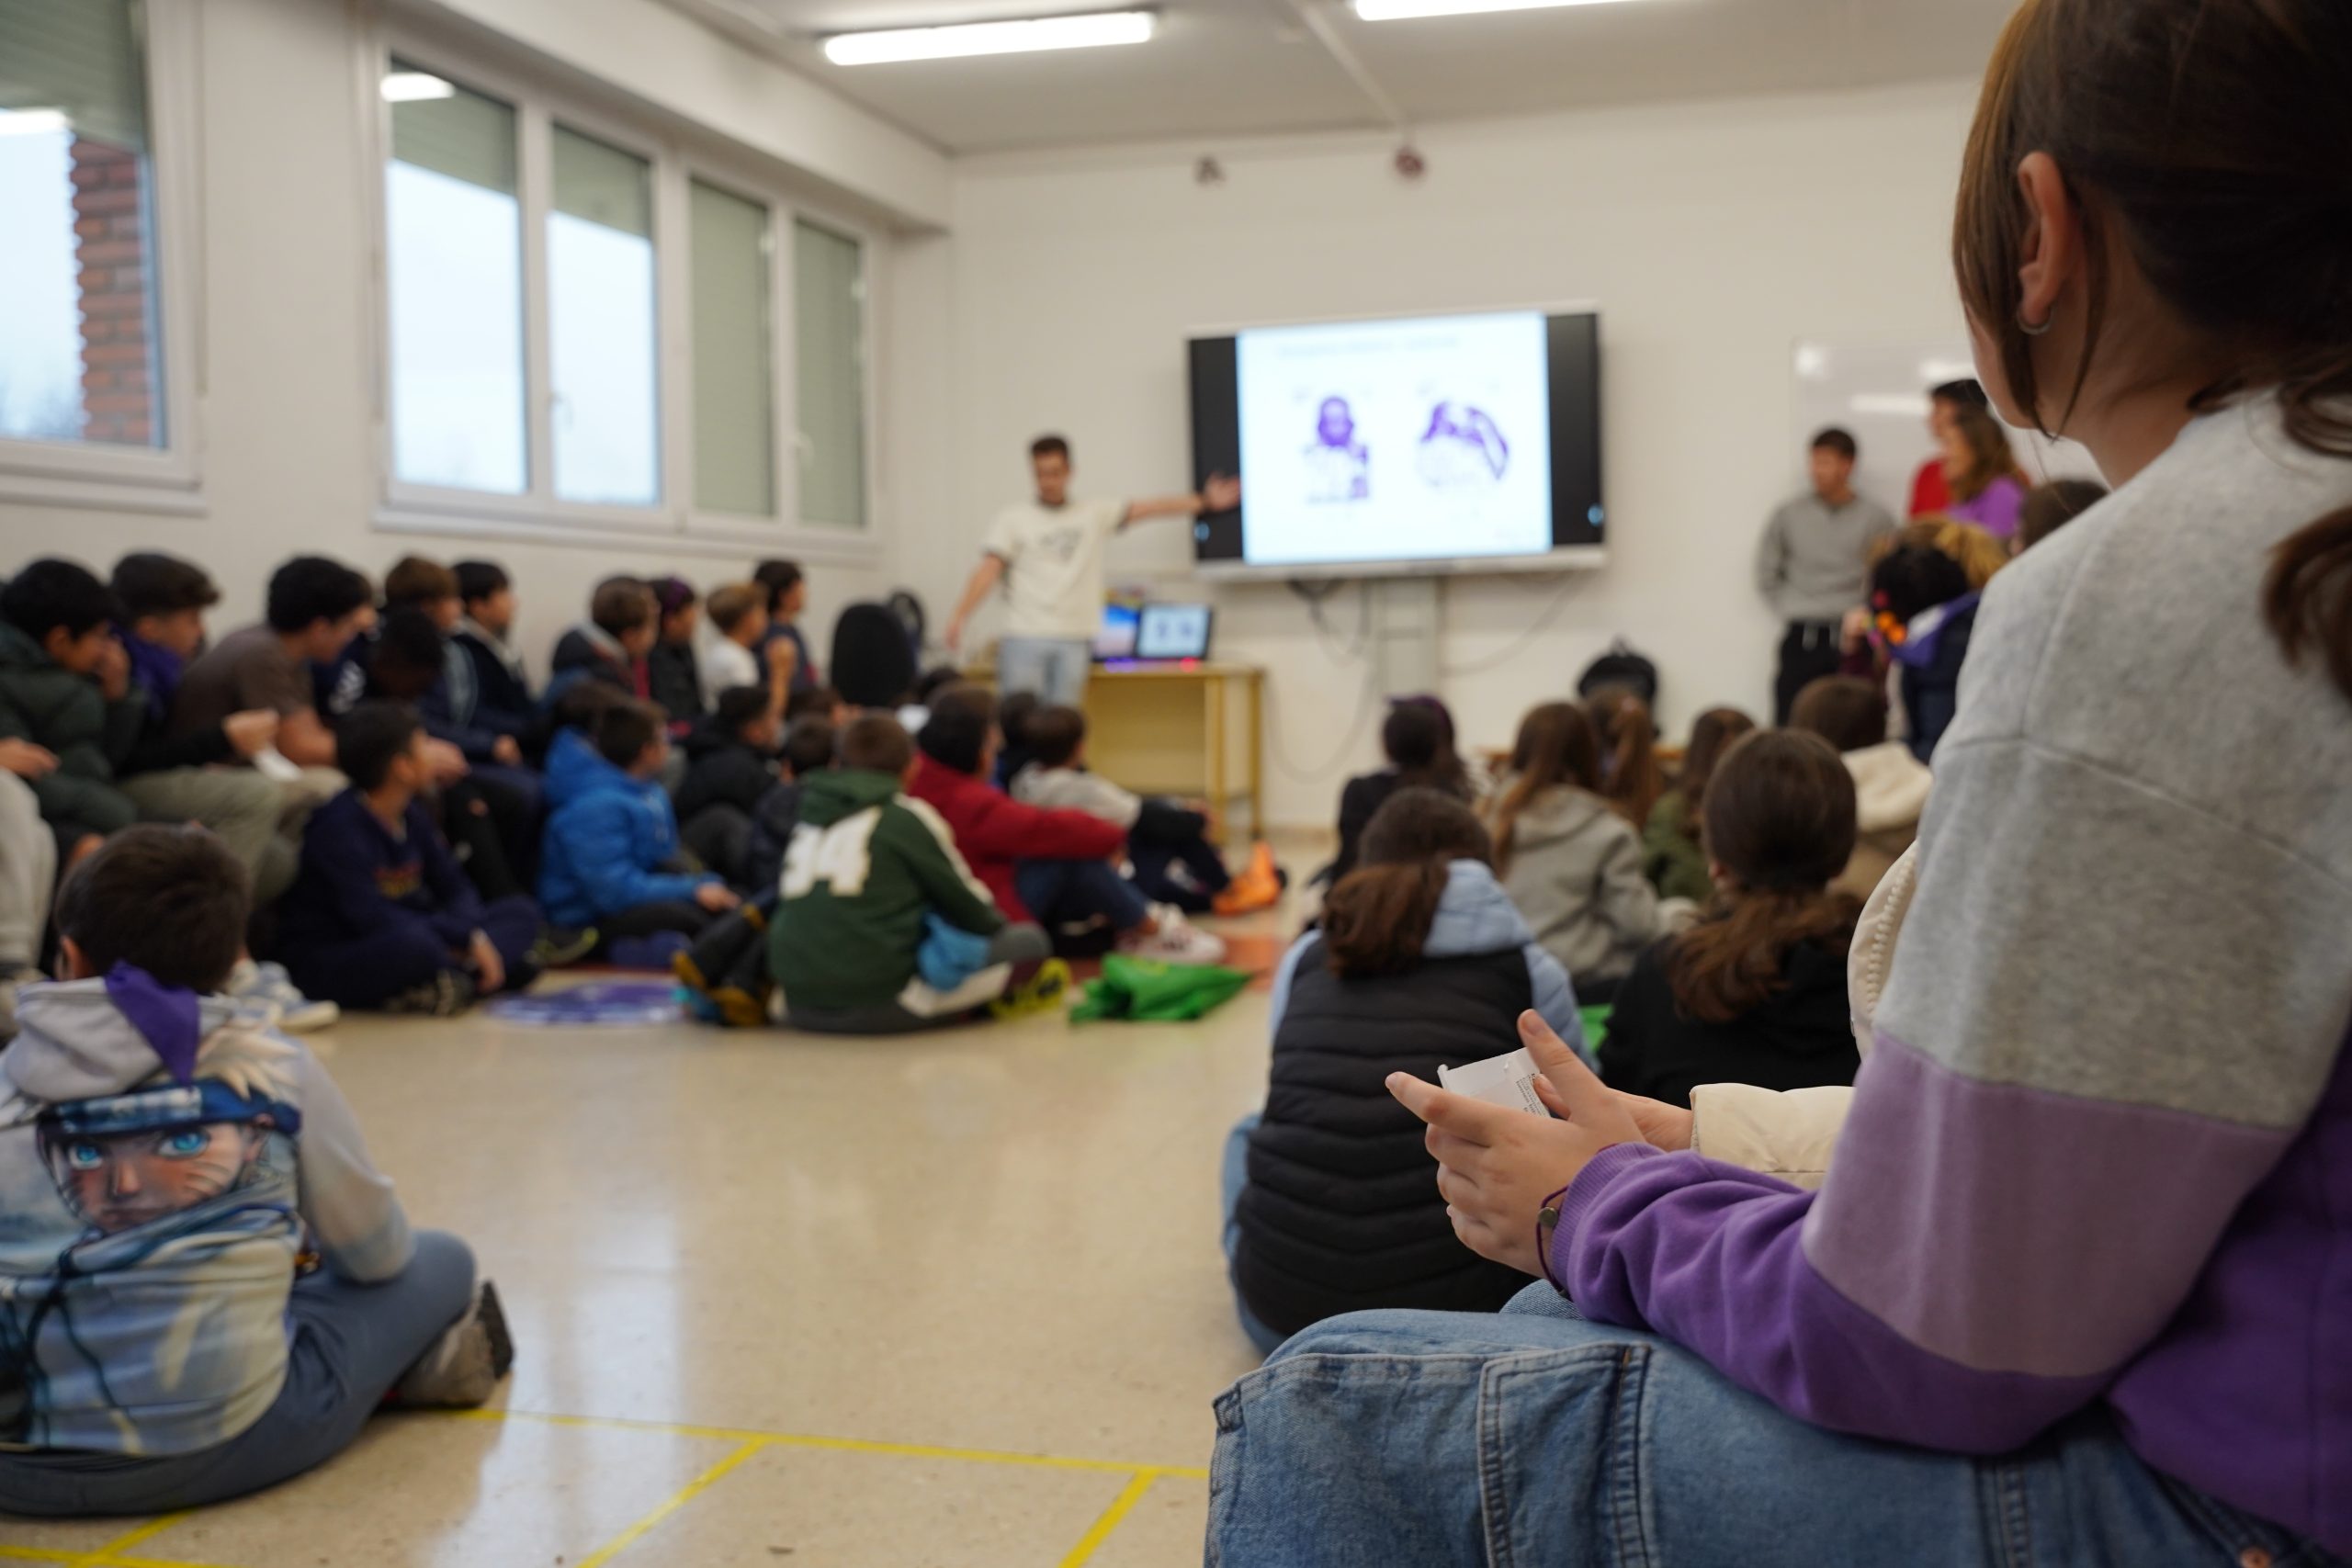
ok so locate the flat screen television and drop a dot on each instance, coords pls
(1405, 446)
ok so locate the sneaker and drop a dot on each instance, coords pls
(266, 995)
(1176, 942)
(559, 947)
(1258, 886)
(1045, 991)
(463, 1367)
(446, 994)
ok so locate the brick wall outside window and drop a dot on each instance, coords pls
(119, 368)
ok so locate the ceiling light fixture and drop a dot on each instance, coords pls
(1091, 31)
(1400, 10)
(415, 87)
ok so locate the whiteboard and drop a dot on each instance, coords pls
(1879, 392)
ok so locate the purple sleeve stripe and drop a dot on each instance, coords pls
(2014, 1229)
(1710, 1256)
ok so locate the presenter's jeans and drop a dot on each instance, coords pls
(1053, 668)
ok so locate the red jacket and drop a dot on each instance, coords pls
(993, 831)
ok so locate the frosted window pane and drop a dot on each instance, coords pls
(829, 287)
(734, 344)
(602, 342)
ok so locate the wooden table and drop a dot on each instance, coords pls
(1179, 729)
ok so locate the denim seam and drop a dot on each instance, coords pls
(1628, 1438)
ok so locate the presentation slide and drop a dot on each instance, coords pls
(1404, 440)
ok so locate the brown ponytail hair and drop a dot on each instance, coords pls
(1712, 734)
(1555, 747)
(1780, 824)
(1377, 919)
(1630, 778)
(2209, 141)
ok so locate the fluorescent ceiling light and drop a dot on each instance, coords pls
(1399, 10)
(31, 122)
(416, 86)
(990, 38)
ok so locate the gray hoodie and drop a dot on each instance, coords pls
(1576, 874)
(149, 1230)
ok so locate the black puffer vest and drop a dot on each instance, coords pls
(1342, 1211)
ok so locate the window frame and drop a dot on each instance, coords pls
(677, 158)
(169, 478)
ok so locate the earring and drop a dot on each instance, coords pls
(2028, 328)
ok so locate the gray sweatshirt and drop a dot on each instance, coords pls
(1576, 874)
(1814, 560)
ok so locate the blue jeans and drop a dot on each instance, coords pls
(1534, 1438)
(1235, 1178)
(1075, 892)
(347, 1345)
(1055, 668)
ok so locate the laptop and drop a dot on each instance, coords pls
(1174, 632)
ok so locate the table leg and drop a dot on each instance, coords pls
(1213, 694)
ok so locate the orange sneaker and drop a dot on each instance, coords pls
(1260, 885)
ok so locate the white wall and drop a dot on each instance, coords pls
(1713, 238)
(288, 412)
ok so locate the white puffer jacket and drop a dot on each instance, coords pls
(1790, 1134)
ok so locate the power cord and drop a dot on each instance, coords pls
(1560, 596)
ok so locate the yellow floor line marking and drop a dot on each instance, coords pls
(147, 1531)
(685, 1494)
(1091, 1541)
(837, 1445)
(90, 1560)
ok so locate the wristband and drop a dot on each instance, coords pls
(1547, 1225)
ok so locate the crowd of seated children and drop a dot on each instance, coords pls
(1061, 864)
(198, 776)
(1421, 960)
(382, 916)
(611, 859)
(1418, 739)
(1569, 859)
(809, 747)
(1169, 853)
(673, 665)
(1890, 784)
(880, 927)
(1631, 778)
(730, 765)
(452, 708)
(1673, 859)
(207, 1288)
(1754, 991)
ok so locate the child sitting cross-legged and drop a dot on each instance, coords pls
(1421, 961)
(879, 926)
(1167, 842)
(166, 1169)
(382, 916)
(731, 763)
(1755, 992)
(611, 858)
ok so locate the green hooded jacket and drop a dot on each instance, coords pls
(43, 702)
(864, 866)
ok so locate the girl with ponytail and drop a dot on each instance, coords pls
(1421, 961)
(2087, 1226)
(1755, 992)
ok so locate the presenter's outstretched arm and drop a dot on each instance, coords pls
(1222, 493)
(985, 578)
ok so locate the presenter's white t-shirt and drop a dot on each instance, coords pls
(1053, 564)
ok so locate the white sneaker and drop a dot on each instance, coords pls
(1176, 941)
(266, 993)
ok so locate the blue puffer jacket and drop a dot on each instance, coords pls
(606, 841)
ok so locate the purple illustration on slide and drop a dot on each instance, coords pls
(1463, 446)
(1338, 468)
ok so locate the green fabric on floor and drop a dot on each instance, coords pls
(1596, 1024)
(1144, 990)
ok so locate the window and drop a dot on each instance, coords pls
(734, 379)
(829, 300)
(91, 387)
(585, 327)
(452, 269)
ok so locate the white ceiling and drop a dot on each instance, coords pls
(1226, 68)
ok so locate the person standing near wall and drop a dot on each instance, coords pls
(1048, 554)
(1930, 492)
(1814, 563)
